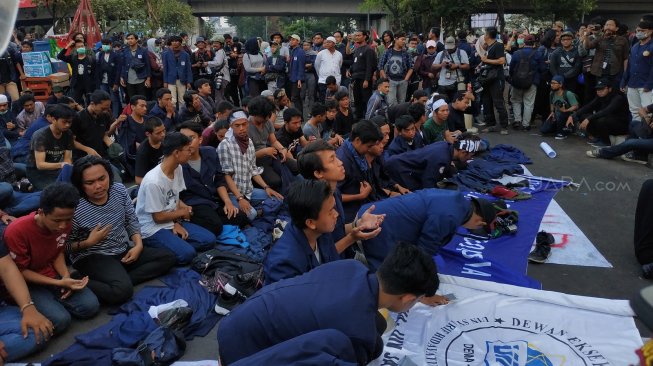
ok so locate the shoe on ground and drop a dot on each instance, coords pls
(631, 158)
(600, 144)
(245, 285)
(227, 302)
(526, 128)
(594, 153)
(504, 131)
(544, 238)
(560, 136)
(592, 141)
(492, 129)
(541, 253)
(481, 124)
(516, 125)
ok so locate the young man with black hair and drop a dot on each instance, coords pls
(405, 140)
(318, 160)
(51, 150)
(83, 78)
(362, 72)
(330, 119)
(425, 167)
(103, 226)
(356, 188)
(203, 87)
(332, 88)
(136, 71)
(493, 90)
(192, 110)
(383, 186)
(131, 133)
(164, 217)
(458, 107)
(238, 160)
(290, 135)
(429, 218)
(209, 137)
(377, 104)
(92, 126)
(32, 109)
(36, 242)
(562, 103)
(301, 331)
(396, 64)
(206, 190)
(269, 151)
(164, 109)
(306, 243)
(108, 74)
(177, 72)
(149, 152)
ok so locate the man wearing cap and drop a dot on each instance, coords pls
(562, 103)
(396, 65)
(428, 218)
(425, 67)
(566, 62)
(327, 63)
(451, 63)
(283, 47)
(219, 69)
(492, 95)
(425, 167)
(177, 72)
(200, 59)
(362, 72)
(523, 96)
(296, 71)
(638, 76)
(605, 115)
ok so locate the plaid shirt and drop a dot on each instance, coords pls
(241, 167)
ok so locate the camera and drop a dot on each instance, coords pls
(506, 224)
(477, 87)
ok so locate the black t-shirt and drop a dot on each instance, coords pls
(44, 140)
(90, 131)
(495, 52)
(397, 110)
(342, 125)
(456, 120)
(289, 140)
(147, 158)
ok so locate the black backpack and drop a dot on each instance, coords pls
(230, 263)
(523, 77)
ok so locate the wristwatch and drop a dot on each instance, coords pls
(239, 198)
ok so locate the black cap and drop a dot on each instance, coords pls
(602, 83)
(276, 34)
(487, 209)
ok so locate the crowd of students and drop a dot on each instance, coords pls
(203, 156)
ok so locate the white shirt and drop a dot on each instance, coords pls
(328, 64)
(158, 193)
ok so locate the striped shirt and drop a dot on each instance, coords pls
(117, 211)
(241, 167)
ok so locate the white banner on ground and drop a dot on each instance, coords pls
(571, 246)
(512, 326)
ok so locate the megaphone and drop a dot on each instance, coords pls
(7, 22)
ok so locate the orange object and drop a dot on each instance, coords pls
(41, 88)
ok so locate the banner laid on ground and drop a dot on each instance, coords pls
(512, 326)
(572, 246)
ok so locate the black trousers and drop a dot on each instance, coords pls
(296, 96)
(271, 175)
(361, 97)
(113, 281)
(643, 227)
(136, 89)
(603, 127)
(492, 98)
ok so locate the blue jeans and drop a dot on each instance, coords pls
(11, 335)
(258, 196)
(199, 239)
(81, 304)
(640, 146)
(116, 106)
(17, 203)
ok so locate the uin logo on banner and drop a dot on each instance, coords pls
(513, 354)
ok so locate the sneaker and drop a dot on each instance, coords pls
(246, 284)
(481, 124)
(592, 141)
(516, 125)
(544, 238)
(491, 129)
(631, 158)
(541, 253)
(560, 136)
(647, 271)
(216, 283)
(227, 303)
(504, 131)
(600, 144)
(592, 153)
(526, 128)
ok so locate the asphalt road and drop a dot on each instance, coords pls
(605, 215)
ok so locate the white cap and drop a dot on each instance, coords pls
(3, 99)
(430, 43)
(331, 39)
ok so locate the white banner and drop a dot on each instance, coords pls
(512, 326)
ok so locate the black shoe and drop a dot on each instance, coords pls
(516, 125)
(526, 128)
(541, 253)
(245, 284)
(544, 238)
(647, 271)
(227, 302)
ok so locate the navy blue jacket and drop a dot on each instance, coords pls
(428, 218)
(112, 67)
(421, 168)
(89, 63)
(279, 67)
(292, 255)
(142, 56)
(176, 67)
(535, 62)
(9, 117)
(202, 186)
(639, 73)
(341, 295)
(22, 147)
(163, 116)
(297, 64)
(399, 145)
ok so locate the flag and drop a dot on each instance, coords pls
(375, 35)
(498, 324)
(84, 22)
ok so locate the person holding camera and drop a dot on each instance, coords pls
(219, 68)
(492, 77)
(451, 63)
(563, 102)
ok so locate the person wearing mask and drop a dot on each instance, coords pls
(362, 72)
(108, 74)
(156, 63)
(177, 72)
(82, 81)
(638, 77)
(254, 63)
(136, 71)
(275, 73)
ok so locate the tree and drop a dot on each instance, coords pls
(171, 16)
(565, 10)
(111, 14)
(58, 10)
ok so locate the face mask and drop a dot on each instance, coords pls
(4, 112)
(520, 41)
(412, 49)
(157, 49)
(641, 35)
(81, 50)
(267, 51)
(106, 48)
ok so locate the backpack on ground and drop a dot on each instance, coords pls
(163, 346)
(220, 268)
(523, 77)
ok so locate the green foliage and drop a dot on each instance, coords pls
(173, 16)
(305, 27)
(565, 10)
